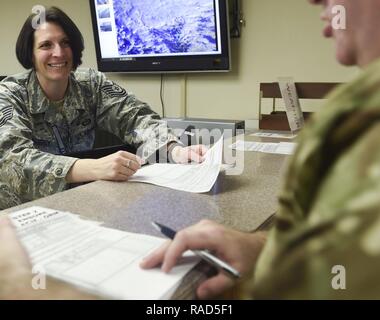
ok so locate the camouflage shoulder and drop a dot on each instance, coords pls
(108, 87)
(19, 78)
(88, 75)
(9, 89)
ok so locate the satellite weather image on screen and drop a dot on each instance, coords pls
(146, 27)
(161, 35)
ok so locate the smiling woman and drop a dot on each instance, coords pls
(53, 60)
(51, 111)
(26, 39)
(53, 48)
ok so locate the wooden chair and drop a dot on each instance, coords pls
(277, 120)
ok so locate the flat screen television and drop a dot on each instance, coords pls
(161, 35)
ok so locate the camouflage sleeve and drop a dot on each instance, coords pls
(340, 261)
(128, 118)
(334, 252)
(26, 173)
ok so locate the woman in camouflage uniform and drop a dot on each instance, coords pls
(52, 110)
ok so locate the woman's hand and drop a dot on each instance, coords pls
(188, 154)
(238, 249)
(118, 166)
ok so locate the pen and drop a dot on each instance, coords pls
(205, 255)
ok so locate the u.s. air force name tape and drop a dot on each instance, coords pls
(113, 90)
(6, 113)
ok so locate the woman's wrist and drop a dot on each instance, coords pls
(171, 148)
(83, 170)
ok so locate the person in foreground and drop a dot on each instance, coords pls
(325, 243)
(16, 277)
(51, 111)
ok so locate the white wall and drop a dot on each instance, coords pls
(281, 38)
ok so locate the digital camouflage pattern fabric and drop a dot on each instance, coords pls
(329, 213)
(37, 134)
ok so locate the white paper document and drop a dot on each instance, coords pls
(195, 178)
(274, 135)
(277, 148)
(292, 104)
(100, 260)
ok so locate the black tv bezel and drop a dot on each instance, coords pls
(178, 64)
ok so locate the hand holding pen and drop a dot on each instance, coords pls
(203, 254)
(236, 249)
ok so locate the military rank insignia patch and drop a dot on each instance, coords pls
(6, 113)
(113, 90)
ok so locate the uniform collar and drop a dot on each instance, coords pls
(39, 103)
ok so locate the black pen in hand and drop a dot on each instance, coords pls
(205, 255)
